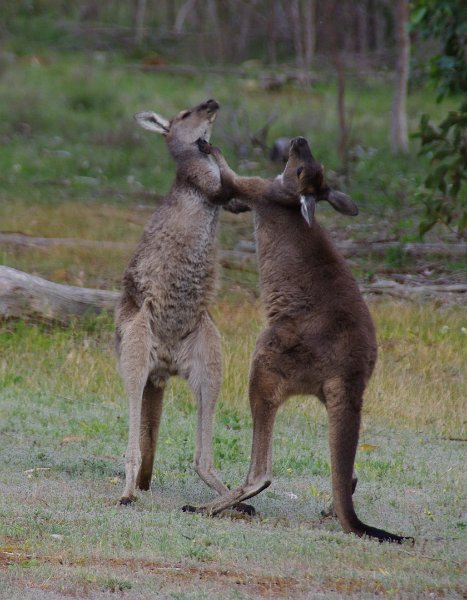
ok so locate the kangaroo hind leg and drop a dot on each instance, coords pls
(151, 411)
(134, 363)
(265, 399)
(203, 356)
(343, 403)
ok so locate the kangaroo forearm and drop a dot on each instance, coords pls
(249, 190)
(236, 206)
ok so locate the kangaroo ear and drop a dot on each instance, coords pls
(152, 122)
(342, 203)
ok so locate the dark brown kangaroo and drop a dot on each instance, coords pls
(320, 338)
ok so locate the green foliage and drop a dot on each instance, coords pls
(447, 21)
(444, 191)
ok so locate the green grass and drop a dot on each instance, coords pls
(64, 430)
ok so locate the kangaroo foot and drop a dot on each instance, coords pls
(385, 536)
(126, 500)
(241, 507)
(246, 509)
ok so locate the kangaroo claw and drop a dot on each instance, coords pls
(203, 146)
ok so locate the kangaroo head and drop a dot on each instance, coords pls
(307, 174)
(183, 131)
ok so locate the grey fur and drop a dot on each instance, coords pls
(163, 327)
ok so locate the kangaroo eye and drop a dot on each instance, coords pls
(299, 170)
(187, 114)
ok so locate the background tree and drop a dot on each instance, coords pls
(399, 134)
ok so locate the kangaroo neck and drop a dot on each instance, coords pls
(296, 263)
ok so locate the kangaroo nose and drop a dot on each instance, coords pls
(210, 105)
(298, 142)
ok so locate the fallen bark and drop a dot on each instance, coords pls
(27, 296)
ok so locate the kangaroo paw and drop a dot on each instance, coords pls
(203, 146)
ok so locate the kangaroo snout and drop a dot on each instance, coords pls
(300, 148)
(298, 142)
(210, 106)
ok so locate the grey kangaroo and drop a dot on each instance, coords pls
(319, 339)
(163, 327)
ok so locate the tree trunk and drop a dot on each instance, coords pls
(140, 13)
(296, 32)
(399, 135)
(245, 30)
(272, 37)
(362, 36)
(309, 31)
(343, 129)
(337, 42)
(215, 29)
(182, 15)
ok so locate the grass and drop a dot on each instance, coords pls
(63, 433)
(73, 164)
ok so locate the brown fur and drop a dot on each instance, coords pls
(319, 339)
(163, 327)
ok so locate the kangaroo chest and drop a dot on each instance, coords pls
(179, 280)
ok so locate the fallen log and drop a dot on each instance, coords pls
(27, 296)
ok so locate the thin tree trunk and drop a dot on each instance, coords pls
(216, 29)
(182, 15)
(245, 28)
(296, 32)
(343, 141)
(170, 14)
(362, 36)
(272, 37)
(338, 42)
(310, 31)
(399, 134)
(371, 11)
(140, 14)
